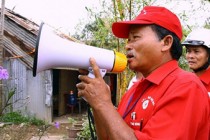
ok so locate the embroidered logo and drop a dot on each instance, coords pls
(145, 102)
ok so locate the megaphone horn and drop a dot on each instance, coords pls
(54, 51)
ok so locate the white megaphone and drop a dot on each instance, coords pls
(54, 51)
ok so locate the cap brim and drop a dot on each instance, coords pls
(184, 43)
(121, 29)
(193, 43)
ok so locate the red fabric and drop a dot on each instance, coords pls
(205, 78)
(174, 107)
(150, 15)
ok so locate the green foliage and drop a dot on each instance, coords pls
(207, 23)
(17, 118)
(72, 120)
(85, 133)
(182, 60)
(97, 32)
(7, 103)
(183, 63)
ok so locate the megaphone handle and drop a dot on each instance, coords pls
(91, 74)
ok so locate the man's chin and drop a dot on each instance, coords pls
(131, 67)
(193, 68)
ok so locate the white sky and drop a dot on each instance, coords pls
(66, 14)
(195, 11)
(62, 14)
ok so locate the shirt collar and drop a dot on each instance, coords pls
(205, 76)
(163, 71)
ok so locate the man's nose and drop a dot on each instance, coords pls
(128, 46)
(190, 55)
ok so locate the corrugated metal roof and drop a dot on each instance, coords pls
(30, 25)
(22, 21)
(20, 37)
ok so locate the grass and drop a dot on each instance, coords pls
(17, 118)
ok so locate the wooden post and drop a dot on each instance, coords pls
(1, 49)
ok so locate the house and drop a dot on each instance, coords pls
(43, 96)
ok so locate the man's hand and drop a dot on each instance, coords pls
(94, 90)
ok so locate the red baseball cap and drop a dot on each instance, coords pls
(150, 15)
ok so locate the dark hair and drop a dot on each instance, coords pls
(176, 48)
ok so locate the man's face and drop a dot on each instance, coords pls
(143, 49)
(196, 56)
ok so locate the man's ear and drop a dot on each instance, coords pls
(167, 42)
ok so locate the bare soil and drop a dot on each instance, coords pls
(26, 132)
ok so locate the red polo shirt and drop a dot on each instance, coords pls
(169, 104)
(205, 78)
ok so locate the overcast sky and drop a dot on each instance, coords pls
(63, 14)
(66, 14)
(196, 12)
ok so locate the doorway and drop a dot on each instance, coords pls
(65, 81)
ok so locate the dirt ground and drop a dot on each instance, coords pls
(26, 132)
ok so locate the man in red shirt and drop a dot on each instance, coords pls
(197, 45)
(168, 103)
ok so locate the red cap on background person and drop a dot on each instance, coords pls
(150, 15)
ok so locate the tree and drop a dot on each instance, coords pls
(98, 31)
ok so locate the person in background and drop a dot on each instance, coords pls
(138, 76)
(168, 104)
(197, 46)
(72, 99)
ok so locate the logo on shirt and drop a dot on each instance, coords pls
(133, 115)
(145, 102)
